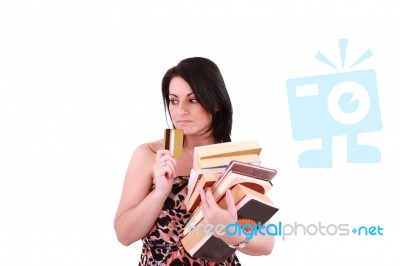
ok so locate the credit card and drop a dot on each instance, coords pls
(173, 141)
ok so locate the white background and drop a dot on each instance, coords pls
(80, 89)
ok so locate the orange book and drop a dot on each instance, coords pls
(196, 175)
(250, 204)
(255, 177)
(205, 180)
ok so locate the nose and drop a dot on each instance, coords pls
(183, 108)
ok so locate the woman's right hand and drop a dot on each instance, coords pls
(164, 169)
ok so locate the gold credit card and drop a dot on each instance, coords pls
(173, 141)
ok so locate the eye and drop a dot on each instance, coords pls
(193, 100)
(173, 101)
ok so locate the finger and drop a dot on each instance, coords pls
(171, 159)
(169, 164)
(161, 153)
(164, 168)
(165, 158)
(204, 205)
(203, 197)
(230, 202)
(210, 199)
(167, 171)
(165, 155)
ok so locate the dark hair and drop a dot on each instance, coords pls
(207, 84)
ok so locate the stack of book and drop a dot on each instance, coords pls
(234, 166)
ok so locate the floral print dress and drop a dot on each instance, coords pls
(162, 245)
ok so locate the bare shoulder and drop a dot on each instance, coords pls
(149, 148)
(145, 153)
(156, 145)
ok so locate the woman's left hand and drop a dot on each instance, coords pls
(214, 214)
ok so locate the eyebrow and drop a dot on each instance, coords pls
(178, 97)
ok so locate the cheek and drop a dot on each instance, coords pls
(172, 111)
(207, 117)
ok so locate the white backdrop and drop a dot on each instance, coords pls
(80, 89)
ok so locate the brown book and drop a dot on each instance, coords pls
(220, 155)
(249, 204)
(254, 177)
(195, 176)
(256, 171)
(205, 180)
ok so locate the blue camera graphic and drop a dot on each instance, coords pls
(324, 106)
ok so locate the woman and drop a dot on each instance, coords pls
(151, 206)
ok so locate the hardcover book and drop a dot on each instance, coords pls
(204, 181)
(197, 175)
(220, 155)
(255, 177)
(250, 205)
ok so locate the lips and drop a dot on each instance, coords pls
(184, 122)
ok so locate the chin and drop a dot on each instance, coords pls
(187, 131)
(192, 131)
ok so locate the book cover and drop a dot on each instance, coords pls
(224, 161)
(206, 180)
(254, 170)
(220, 155)
(196, 175)
(255, 177)
(249, 204)
(226, 148)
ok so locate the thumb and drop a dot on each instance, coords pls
(230, 203)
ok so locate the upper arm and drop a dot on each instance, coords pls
(138, 179)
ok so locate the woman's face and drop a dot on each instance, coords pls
(186, 112)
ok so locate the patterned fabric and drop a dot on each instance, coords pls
(162, 244)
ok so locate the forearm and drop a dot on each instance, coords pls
(136, 222)
(258, 245)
